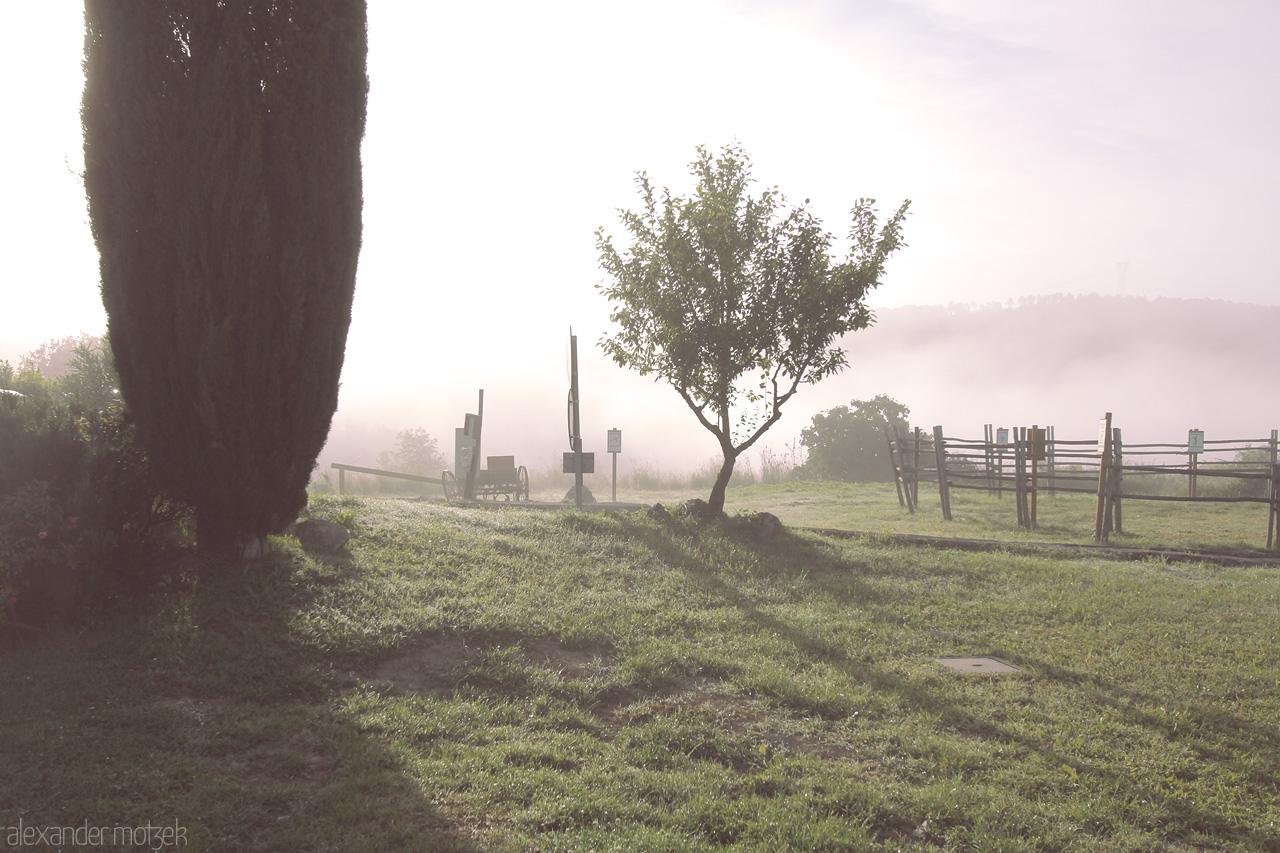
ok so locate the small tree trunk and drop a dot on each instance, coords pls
(715, 504)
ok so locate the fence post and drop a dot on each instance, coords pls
(990, 456)
(1099, 534)
(1117, 477)
(1048, 444)
(1023, 457)
(897, 471)
(940, 455)
(1019, 466)
(1191, 463)
(1036, 448)
(1274, 510)
(909, 473)
(915, 469)
(342, 481)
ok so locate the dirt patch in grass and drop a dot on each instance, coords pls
(706, 697)
(568, 661)
(444, 660)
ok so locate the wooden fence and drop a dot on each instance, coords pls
(377, 472)
(1022, 462)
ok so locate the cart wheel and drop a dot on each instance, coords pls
(523, 491)
(450, 485)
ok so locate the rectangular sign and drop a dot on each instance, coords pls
(615, 441)
(463, 447)
(588, 463)
(1035, 437)
(1195, 441)
(1002, 435)
(1102, 435)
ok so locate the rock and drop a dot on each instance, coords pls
(570, 496)
(766, 525)
(698, 508)
(317, 535)
(659, 512)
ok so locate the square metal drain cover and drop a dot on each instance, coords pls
(975, 665)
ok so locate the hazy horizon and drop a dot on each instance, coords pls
(1096, 148)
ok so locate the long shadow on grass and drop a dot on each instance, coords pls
(1132, 705)
(205, 712)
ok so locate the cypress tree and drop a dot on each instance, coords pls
(222, 167)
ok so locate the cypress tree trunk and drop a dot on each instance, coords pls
(222, 165)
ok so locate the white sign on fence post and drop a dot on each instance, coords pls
(1002, 435)
(1195, 441)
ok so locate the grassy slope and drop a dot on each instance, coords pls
(479, 679)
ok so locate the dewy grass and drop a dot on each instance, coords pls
(472, 679)
(1061, 517)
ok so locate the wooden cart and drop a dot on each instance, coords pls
(500, 479)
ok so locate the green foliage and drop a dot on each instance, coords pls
(54, 358)
(734, 299)
(848, 443)
(72, 469)
(37, 551)
(416, 452)
(222, 166)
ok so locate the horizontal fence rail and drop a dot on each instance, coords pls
(356, 469)
(1032, 460)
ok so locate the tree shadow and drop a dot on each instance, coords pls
(1213, 734)
(202, 710)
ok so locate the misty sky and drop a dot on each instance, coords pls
(1111, 147)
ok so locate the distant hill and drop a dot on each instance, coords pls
(1161, 365)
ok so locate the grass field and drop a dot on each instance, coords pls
(483, 679)
(1061, 518)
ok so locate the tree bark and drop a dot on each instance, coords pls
(715, 504)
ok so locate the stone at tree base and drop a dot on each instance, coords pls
(659, 512)
(698, 508)
(766, 525)
(318, 535)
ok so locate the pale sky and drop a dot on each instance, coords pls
(1110, 146)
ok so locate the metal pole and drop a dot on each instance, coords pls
(615, 477)
(577, 423)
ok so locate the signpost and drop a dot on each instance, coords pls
(575, 425)
(615, 447)
(1195, 446)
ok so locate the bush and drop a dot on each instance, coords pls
(38, 557)
(848, 443)
(80, 515)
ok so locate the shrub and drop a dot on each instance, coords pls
(848, 443)
(80, 514)
(38, 559)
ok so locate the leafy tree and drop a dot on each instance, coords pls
(847, 443)
(53, 358)
(734, 299)
(416, 453)
(222, 165)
